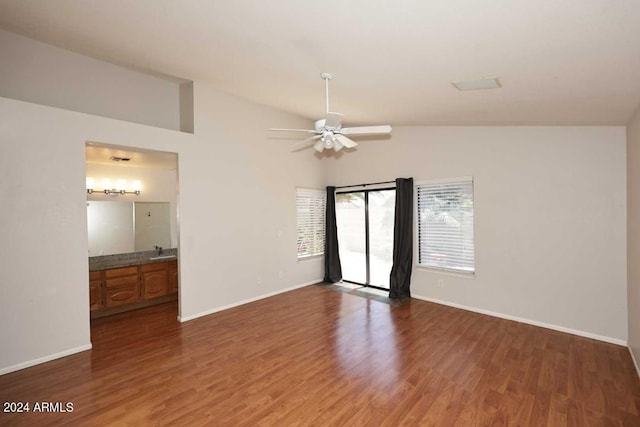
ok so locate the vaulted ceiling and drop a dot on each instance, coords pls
(560, 62)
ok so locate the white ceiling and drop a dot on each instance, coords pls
(566, 62)
(97, 153)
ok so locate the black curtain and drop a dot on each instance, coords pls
(400, 277)
(332, 267)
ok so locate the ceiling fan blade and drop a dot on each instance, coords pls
(366, 130)
(345, 141)
(293, 130)
(319, 146)
(305, 143)
(333, 120)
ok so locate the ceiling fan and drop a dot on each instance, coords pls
(329, 132)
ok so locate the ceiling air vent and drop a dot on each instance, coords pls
(490, 83)
(120, 159)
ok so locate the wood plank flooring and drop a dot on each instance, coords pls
(316, 356)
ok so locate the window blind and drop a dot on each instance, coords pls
(310, 207)
(445, 225)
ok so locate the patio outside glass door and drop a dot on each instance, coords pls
(365, 236)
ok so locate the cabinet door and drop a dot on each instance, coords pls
(154, 284)
(95, 296)
(173, 277)
(120, 296)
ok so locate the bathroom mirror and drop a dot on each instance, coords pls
(124, 227)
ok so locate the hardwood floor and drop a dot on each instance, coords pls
(316, 356)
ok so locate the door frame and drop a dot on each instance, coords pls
(366, 234)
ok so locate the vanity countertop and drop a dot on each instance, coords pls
(105, 262)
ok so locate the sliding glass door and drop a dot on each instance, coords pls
(365, 235)
(352, 236)
(381, 215)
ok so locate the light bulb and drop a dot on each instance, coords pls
(122, 185)
(137, 185)
(90, 183)
(106, 184)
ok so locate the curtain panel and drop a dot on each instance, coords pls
(400, 278)
(332, 267)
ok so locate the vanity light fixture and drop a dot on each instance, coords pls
(111, 190)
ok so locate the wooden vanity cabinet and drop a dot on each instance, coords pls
(154, 279)
(95, 290)
(173, 277)
(127, 288)
(121, 286)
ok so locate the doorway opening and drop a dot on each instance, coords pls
(365, 221)
(132, 228)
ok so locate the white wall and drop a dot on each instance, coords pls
(236, 215)
(633, 235)
(239, 192)
(550, 217)
(158, 185)
(36, 72)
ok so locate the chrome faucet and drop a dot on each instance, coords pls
(159, 249)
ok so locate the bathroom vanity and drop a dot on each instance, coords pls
(126, 282)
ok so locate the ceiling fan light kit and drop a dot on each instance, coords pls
(329, 133)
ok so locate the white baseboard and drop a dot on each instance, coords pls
(528, 321)
(246, 301)
(635, 361)
(44, 359)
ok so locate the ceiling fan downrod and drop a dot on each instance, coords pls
(326, 77)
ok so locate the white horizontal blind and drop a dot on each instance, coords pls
(445, 225)
(310, 206)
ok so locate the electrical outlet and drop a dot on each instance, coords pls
(440, 283)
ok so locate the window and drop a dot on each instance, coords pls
(310, 207)
(445, 225)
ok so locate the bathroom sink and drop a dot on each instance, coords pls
(155, 258)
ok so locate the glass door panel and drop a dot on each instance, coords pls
(350, 219)
(381, 214)
(365, 235)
